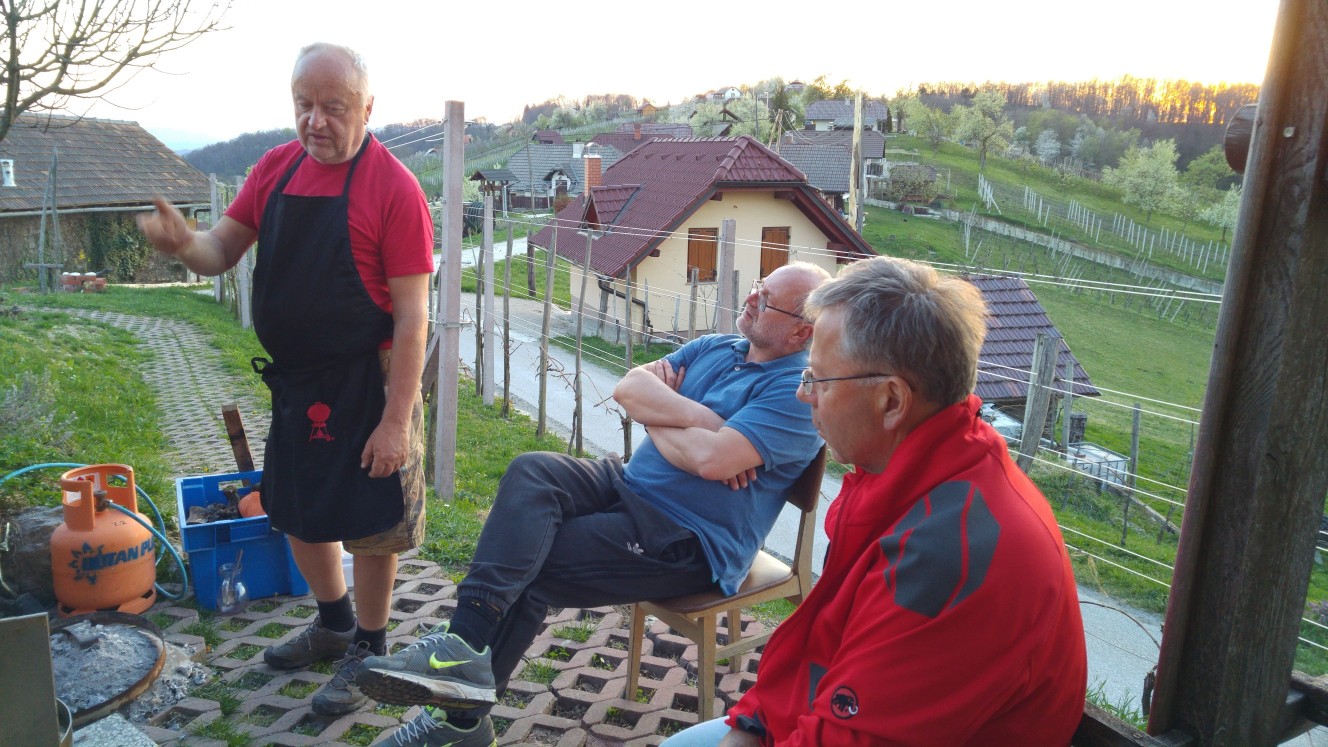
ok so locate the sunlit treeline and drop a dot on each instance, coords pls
(1126, 98)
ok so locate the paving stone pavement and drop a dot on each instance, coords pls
(582, 705)
(186, 374)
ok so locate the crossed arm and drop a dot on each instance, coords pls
(691, 436)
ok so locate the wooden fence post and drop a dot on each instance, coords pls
(544, 337)
(578, 416)
(1045, 351)
(448, 329)
(486, 262)
(507, 326)
(691, 304)
(726, 303)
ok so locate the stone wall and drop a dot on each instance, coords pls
(18, 246)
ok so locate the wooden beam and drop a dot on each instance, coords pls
(1099, 728)
(1261, 459)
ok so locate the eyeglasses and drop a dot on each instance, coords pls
(763, 300)
(808, 379)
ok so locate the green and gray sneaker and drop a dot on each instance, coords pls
(314, 643)
(340, 695)
(430, 729)
(437, 670)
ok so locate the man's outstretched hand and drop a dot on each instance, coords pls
(164, 227)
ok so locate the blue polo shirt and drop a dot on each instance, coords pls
(759, 400)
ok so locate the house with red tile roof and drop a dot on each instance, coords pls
(654, 218)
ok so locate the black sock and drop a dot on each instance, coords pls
(474, 621)
(337, 615)
(465, 720)
(377, 640)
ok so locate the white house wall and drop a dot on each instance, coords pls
(666, 275)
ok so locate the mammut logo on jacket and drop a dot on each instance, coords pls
(939, 553)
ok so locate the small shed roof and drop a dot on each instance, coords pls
(101, 163)
(493, 175)
(1015, 317)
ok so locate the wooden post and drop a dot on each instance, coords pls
(507, 323)
(530, 249)
(1260, 472)
(726, 303)
(215, 209)
(855, 195)
(1045, 351)
(449, 305)
(1068, 407)
(542, 422)
(645, 314)
(1130, 478)
(629, 299)
(578, 416)
(691, 305)
(486, 262)
(479, 322)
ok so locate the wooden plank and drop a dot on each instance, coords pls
(1261, 458)
(244, 459)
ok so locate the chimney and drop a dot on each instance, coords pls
(592, 163)
(636, 131)
(576, 149)
(7, 172)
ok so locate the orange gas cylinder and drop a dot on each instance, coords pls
(101, 559)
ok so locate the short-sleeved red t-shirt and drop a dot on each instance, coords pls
(391, 231)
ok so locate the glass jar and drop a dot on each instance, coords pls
(232, 596)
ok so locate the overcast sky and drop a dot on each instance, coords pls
(497, 57)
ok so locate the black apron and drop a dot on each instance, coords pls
(322, 330)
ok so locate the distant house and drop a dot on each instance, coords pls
(656, 217)
(627, 137)
(832, 114)
(106, 171)
(795, 86)
(723, 93)
(547, 137)
(826, 158)
(647, 110)
(543, 172)
(676, 130)
(1006, 362)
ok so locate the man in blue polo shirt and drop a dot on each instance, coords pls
(728, 436)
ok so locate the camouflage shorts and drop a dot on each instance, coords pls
(409, 533)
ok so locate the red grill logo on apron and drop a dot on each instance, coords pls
(318, 414)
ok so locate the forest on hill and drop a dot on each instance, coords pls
(1105, 117)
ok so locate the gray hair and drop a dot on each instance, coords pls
(357, 62)
(903, 317)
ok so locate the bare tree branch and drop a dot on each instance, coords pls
(58, 51)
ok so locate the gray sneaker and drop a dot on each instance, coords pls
(430, 729)
(314, 643)
(438, 670)
(340, 695)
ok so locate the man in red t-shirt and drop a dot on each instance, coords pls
(947, 611)
(340, 295)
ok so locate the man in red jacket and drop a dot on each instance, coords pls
(947, 612)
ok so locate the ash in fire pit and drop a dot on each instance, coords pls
(95, 664)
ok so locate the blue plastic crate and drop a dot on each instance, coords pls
(267, 567)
